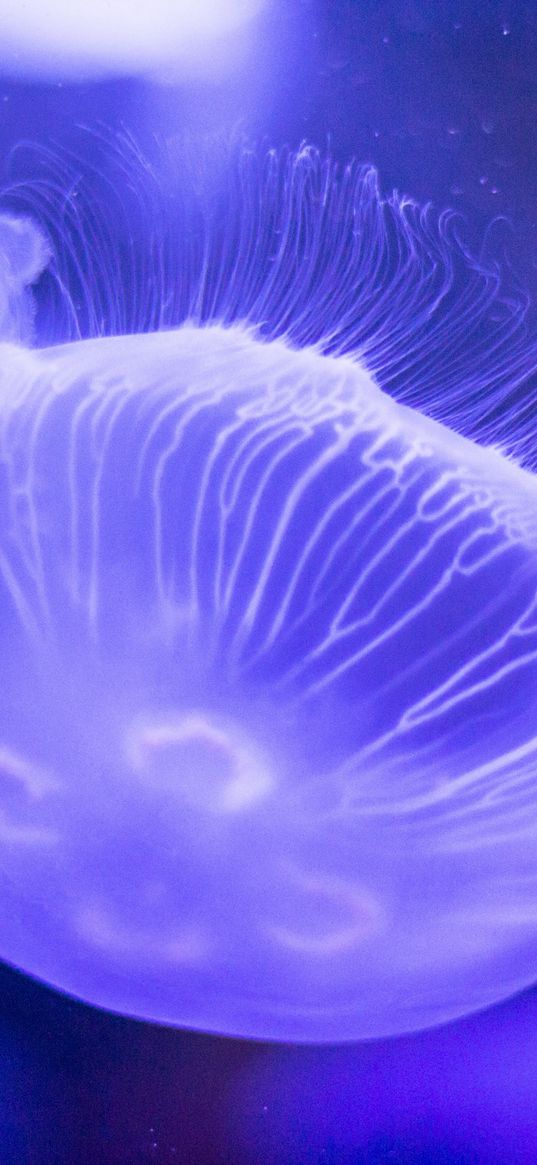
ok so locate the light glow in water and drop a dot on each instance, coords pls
(268, 756)
(73, 39)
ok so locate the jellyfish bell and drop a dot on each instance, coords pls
(267, 755)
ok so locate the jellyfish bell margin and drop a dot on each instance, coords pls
(267, 753)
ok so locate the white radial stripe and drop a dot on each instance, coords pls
(279, 451)
(314, 538)
(428, 659)
(434, 703)
(287, 512)
(112, 415)
(21, 600)
(366, 646)
(423, 712)
(234, 473)
(378, 560)
(494, 552)
(164, 460)
(75, 557)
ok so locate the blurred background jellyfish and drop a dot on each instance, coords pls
(268, 566)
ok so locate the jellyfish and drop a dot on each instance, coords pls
(268, 570)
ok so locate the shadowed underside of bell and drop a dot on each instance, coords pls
(277, 775)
